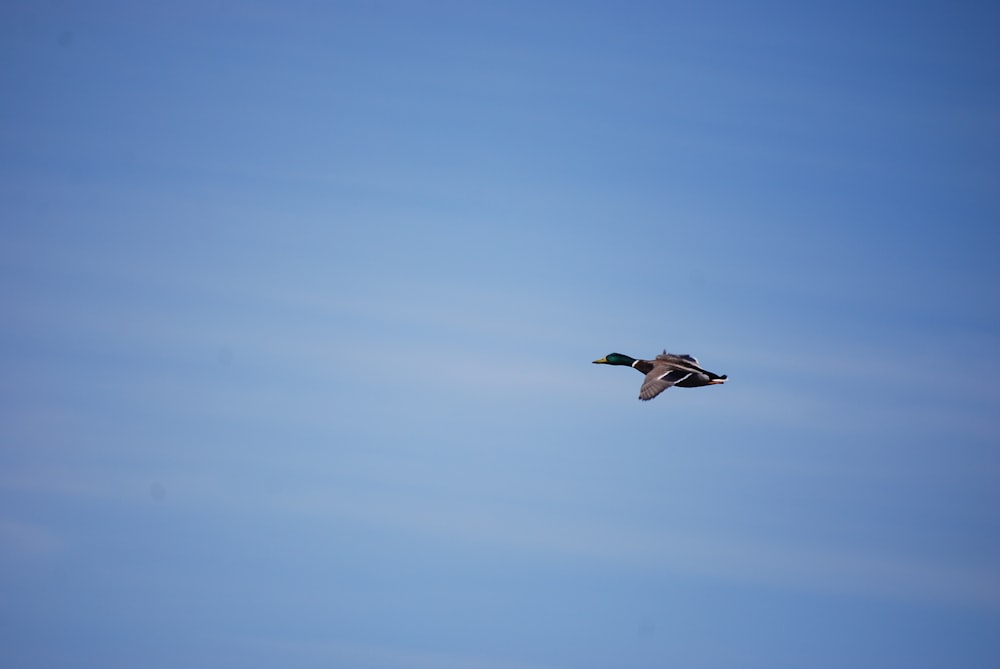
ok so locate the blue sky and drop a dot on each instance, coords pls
(300, 301)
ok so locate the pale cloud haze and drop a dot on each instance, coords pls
(300, 302)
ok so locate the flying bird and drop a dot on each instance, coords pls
(666, 370)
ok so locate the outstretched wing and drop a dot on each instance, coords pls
(680, 359)
(661, 378)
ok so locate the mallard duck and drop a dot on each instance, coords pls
(665, 371)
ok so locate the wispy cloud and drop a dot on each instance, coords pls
(27, 539)
(350, 654)
(540, 529)
(736, 559)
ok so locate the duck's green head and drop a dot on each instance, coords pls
(615, 359)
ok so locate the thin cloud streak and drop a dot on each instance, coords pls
(28, 540)
(537, 530)
(345, 653)
(745, 561)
